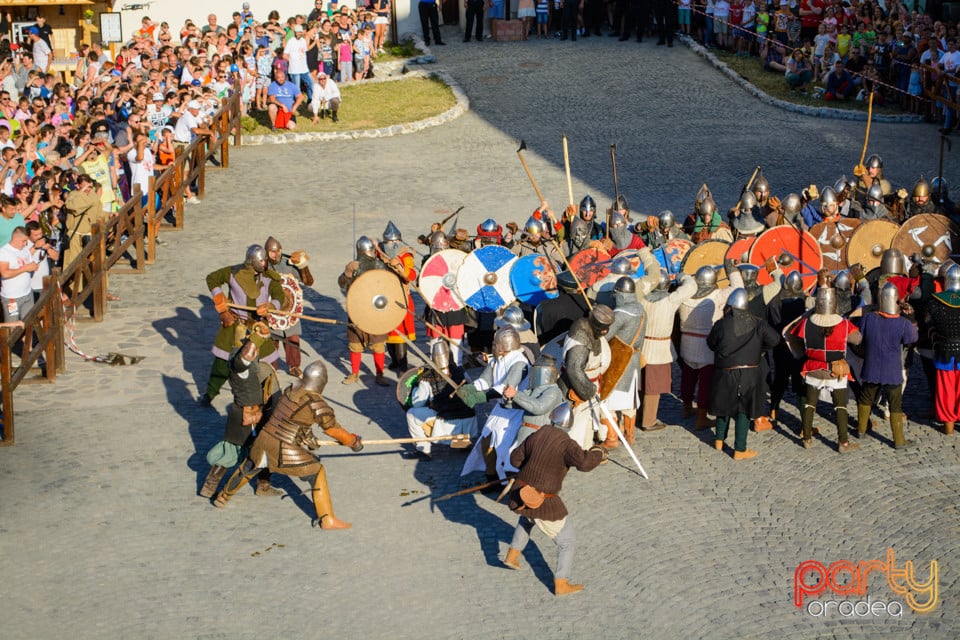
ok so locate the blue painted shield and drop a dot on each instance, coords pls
(671, 255)
(533, 279)
(483, 280)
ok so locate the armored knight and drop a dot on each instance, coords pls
(586, 356)
(660, 229)
(283, 442)
(625, 338)
(621, 237)
(250, 284)
(873, 207)
(358, 340)
(660, 307)
(873, 176)
(489, 232)
(513, 316)
(446, 323)
(788, 305)
(920, 200)
(296, 265)
(707, 224)
(745, 217)
(402, 260)
(761, 192)
(943, 311)
(583, 228)
(540, 398)
(435, 410)
(697, 316)
(536, 241)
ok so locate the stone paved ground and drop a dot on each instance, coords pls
(101, 532)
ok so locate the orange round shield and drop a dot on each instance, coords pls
(795, 250)
(868, 242)
(833, 238)
(740, 249)
(590, 265)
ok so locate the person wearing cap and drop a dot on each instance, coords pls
(295, 53)
(157, 112)
(189, 126)
(326, 97)
(42, 54)
(283, 99)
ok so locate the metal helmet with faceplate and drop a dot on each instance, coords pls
(891, 262)
(951, 279)
(588, 207)
(365, 247)
(256, 258)
(738, 299)
(562, 416)
(544, 371)
(439, 241)
(392, 233)
(617, 221)
(826, 301)
(440, 354)
(272, 245)
(889, 299)
(749, 273)
(667, 219)
(505, 340)
(874, 162)
(533, 228)
(921, 188)
(315, 376)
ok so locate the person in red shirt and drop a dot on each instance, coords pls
(811, 13)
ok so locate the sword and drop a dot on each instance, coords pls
(460, 440)
(616, 186)
(278, 312)
(474, 489)
(613, 425)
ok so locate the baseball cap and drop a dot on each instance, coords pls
(298, 28)
(321, 75)
(158, 96)
(167, 128)
(193, 104)
(34, 31)
(246, 5)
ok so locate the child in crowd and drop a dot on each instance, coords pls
(345, 55)
(326, 55)
(543, 12)
(820, 42)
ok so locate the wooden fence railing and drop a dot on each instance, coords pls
(130, 233)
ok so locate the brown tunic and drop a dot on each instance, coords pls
(287, 433)
(544, 459)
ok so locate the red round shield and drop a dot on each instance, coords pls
(740, 249)
(438, 280)
(799, 250)
(590, 265)
(833, 238)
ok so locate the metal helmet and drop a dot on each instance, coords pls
(892, 262)
(505, 340)
(365, 247)
(793, 283)
(738, 299)
(843, 281)
(826, 302)
(601, 317)
(587, 205)
(562, 416)
(620, 204)
(272, 245)
(939, 189)
(747, 202)
(315, 376)
(889, 299)
(667, 220)
(392, 233)
(951, 279)
(439, 241)
(708, 207)
(617, 221)
(828, 197)
(489, 226)
(840, 184)
(875, 192)
(761, 188)
(256, 258)
(621, 266)
(706, 276)
(625, 285)
(792, 205)
(921, 188)
(512, 316)
(749, 273)
(544, 371)
(664, 282)
(874, 162)
(534, 227)
(944, 267)
(702, 194)
(440, 354)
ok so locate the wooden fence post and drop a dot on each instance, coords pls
(99, 272)
(60, 359)
(6, 383)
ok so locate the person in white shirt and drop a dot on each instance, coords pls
(326, 97)
(141, 162)
(41, 51)
(43, 252)
(16, 267)
(295, 53)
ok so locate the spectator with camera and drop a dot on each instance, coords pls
(16, 269)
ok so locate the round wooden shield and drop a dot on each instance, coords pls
(438, 280)
(291, 289)
(833, 238)
(533, 279)
(590, 265)
(483, 279)
(376, 302)
(406, 385)
(926, 229)
(708, 253)
(801, 249)
(671, 255)
(868, 242)
(740, 249)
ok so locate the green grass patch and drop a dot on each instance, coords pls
(775, 85)
(400, 51)
(371, 106)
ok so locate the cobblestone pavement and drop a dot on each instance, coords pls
(102, 534)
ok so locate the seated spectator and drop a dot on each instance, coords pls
(798, 72)
(773, 60)
(283, 99)
(839, 84)
(326, 97)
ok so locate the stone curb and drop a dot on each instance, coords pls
(462, 106)
(816, 112)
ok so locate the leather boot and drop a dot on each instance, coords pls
(562, 587)
(863, 419)
(948, 428)
(762, 424)
(612, 441)
(688, 409)
(401, 351)
(744, 455)
(807, 425)
(210, 485)
(324, 505)
(513, 558)
(236, 482)
(896, 425)
(264, 488)
(703, 422)
(629, 428)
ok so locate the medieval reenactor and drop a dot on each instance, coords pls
(873, 176)
(586, 356)
(401, 259)
(788, 305)
(625, 338)
(283, 442)
(660, 229)
(745, 217)
(357, 340)
(536, 241)
(944, 313)
(920, 200)
(250, 284)
(583, 228)
(621, 237)
(707, 224)
(540, 398)
(297, 266)
(446, 323)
